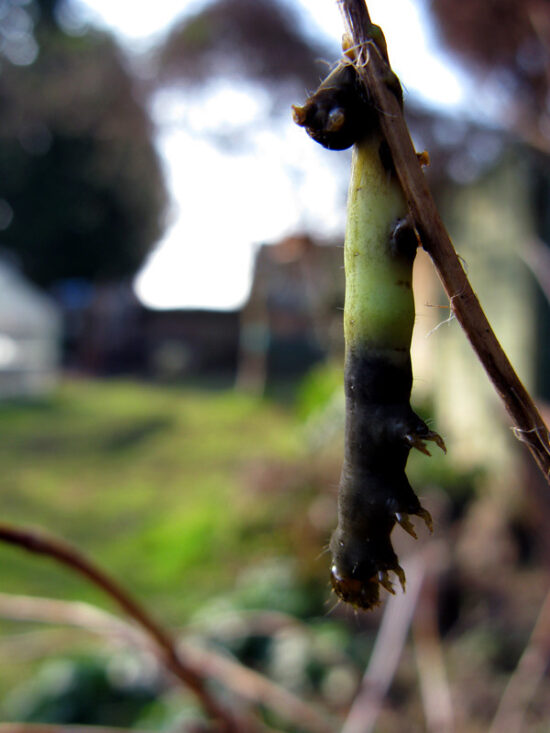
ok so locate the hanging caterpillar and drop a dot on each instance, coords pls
(380, 246)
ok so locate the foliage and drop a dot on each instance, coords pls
(516, 56)
(81, 190)
(82, 691)
(319, 388)
(203, 503)
(173, 491)
(241, 37)
(130, 471)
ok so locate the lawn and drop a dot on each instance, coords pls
(157, 484)
(146, 479)
(206, 501)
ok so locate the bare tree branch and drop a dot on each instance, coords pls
(526, 678)
(434, 685)
(248, 684)
(374, 72)
(387, 651)
(57, 728)
(70, 613)
(39, 543)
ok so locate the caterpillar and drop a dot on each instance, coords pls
(374, 493)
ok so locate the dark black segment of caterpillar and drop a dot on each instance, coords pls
(374, 492)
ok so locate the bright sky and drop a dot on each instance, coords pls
(227, 203)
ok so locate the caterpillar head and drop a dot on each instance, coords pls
(337, 115)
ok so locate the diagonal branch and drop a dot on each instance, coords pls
(60, 728)
(391, 638)
(244, 682)
(42, 544)
(374, 72)
(523, 683)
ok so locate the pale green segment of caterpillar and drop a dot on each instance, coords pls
(379, 303)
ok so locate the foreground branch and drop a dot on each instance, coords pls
(525, 680)
(58, 728)
(434, 686)
(244, 682)
(387, 651)
(41, 544)
(373, 70)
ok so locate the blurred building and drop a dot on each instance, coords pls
(30, 331)
(293, 317)
(191, 344)
(291, 321)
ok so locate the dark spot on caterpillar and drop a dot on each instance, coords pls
(338, 114)
(374, 492)
(403, 239)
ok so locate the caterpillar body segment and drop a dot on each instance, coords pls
(381, 428)
(374, 493)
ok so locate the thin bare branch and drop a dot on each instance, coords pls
(253, 686)
(57, 728)
(38, 542)
(387, 651)
(529, 427)
(70, 613)
(246, 683)
(434, 686)
(526, 678)
(38, 644)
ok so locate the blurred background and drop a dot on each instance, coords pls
(171, 353)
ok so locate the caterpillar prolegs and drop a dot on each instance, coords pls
(381, 427)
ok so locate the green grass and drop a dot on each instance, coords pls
(149, 481)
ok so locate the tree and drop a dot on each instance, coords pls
(259, 41)
(81, 187)
(507, 42)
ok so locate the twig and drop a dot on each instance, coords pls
(374, 73)
(434, 686)
(36, 645)
(57, 728)
(523, 683)
(253, 686)
(248, 684)
(39, 543)
(387, 651)
(70, 613)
